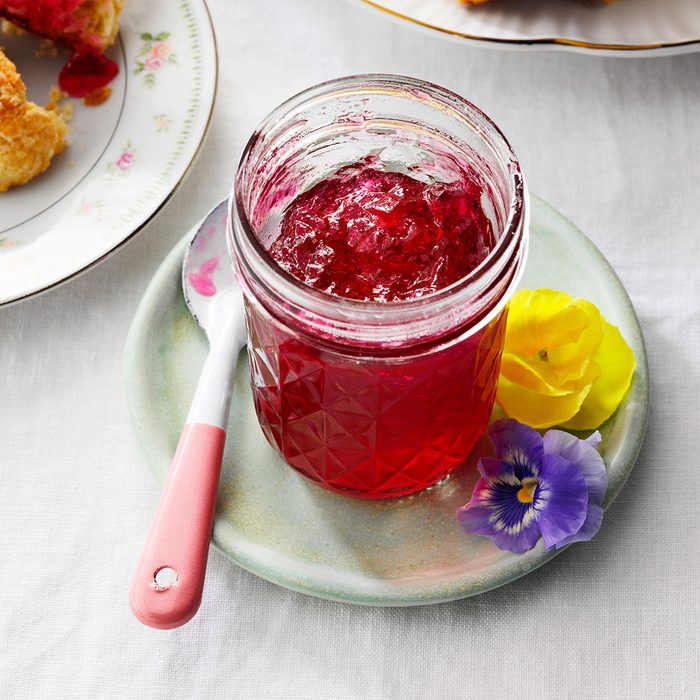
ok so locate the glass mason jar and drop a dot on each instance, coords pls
(367, 398)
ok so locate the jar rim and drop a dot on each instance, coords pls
(300, 293)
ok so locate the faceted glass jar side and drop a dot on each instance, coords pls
(372, 427)
(374, 399)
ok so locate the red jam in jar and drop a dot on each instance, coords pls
(373, 235)
(375, 320)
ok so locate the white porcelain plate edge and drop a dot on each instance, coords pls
(627, 28)
(169, 87)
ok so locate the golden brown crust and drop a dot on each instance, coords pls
(30, 136)
(102, 19)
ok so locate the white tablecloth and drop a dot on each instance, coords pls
(614, 144)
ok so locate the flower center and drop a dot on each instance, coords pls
(542, 354)
(526, 494)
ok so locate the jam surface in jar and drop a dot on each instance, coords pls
(373, 235)
(367, 424)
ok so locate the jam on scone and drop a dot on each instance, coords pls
(30, 136)
(86, 26)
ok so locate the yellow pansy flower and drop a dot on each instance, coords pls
(563, 363)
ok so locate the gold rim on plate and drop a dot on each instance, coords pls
(545, 41)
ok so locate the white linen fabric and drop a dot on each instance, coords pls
(613, 144)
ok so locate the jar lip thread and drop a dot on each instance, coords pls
(244, 243)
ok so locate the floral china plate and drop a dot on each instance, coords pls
(624, 28)
(126, 156)
(408, 551)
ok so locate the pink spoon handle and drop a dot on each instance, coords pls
(167, 588)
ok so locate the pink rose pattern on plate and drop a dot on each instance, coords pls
(155, 53)
(163, 122)
(124, 161)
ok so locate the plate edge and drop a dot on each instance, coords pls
(176, 187)
(543, 43)
(528, 564)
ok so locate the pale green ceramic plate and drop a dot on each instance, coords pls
(275, 523)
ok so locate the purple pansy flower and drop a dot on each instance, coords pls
(551, 487)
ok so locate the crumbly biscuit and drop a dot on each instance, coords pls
(30, 136)
(86, 26)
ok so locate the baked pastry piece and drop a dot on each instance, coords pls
(86, 26)
(30, 136)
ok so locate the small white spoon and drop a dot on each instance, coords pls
(167, 588)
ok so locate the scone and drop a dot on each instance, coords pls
(30, 136)
(86, 26)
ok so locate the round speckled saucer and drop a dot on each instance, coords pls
(409, 551)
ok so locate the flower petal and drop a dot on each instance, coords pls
(494, 469)
(550, 340)
(537, 410)
(594, 439)
(475, 520)
(520, 542)
(561, 499)
(617, 363)
(518, 445)
(522, 373)
(585, 456)
(540, 318)
(478, 520)
(590, 527)
(563, 363)
(481, 492)
(570, 361)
